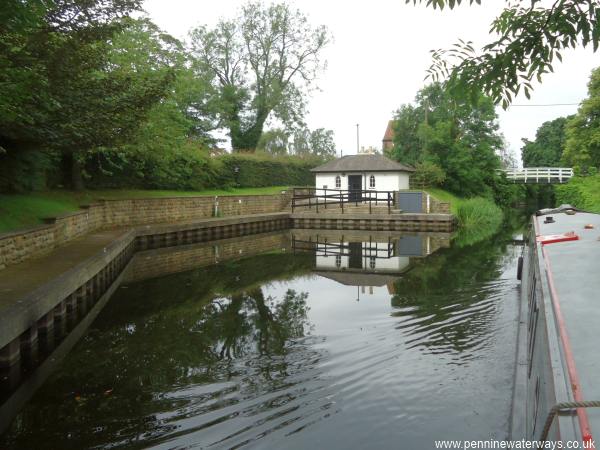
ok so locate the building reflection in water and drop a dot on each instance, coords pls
(365, 259)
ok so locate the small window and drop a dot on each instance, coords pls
(372, 262)
(324, 186)
(372, 181)
(338, 261)
(338, 182)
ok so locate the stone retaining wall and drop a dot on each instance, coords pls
(19, 246)
(399, 222)
(154, 263)
(438, 207)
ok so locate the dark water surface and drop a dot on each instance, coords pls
(367, 341)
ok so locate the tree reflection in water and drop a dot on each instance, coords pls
(168, 349)
(448, 301)
(247, 322)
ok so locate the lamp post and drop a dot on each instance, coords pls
(357, 140)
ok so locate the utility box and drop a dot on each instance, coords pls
(410, 201)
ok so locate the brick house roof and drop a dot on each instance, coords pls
(389, 132)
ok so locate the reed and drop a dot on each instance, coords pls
(478, 212)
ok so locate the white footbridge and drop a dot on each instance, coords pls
(539, 175)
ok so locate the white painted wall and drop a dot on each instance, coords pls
(383, 263)
(384, 181)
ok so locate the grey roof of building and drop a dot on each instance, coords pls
(359, 279)
(362, 163)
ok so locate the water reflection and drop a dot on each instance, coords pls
(209, 346)
(366, 259)
(450, 301)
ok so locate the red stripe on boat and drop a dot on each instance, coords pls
(552, 238)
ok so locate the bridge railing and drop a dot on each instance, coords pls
(539, 174)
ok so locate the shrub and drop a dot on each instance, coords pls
(582, 192)
(427, 174)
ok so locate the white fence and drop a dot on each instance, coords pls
(539, 175)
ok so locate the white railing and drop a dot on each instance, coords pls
(539, 174)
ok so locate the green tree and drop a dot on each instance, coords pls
(582, 146)
(174, 131)
(261, 64)
(460, 138)
(322, 143)
(547, 148)
(73, 87)
(307, 143)
(407, 145)
(530, 37)
(274, 142)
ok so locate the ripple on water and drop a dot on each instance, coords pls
(391, 369)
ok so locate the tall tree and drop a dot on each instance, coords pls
(74, 88)
(262, 63)
(531, 36)
(547, 148)
(322, 143)
(582, 147)
(459, 137)
(274, 142)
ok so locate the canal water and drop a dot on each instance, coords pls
(297, 339)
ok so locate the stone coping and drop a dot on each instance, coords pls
(27, 309)
(431, 217)
(179, 197)
(143, 230)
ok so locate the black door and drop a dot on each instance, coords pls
(355, 255)
(355, 188)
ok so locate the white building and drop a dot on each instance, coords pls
(363, 172)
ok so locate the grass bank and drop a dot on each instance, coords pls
(26, 210)
(477, 217)
(581, 192)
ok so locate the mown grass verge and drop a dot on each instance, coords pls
(27, 210)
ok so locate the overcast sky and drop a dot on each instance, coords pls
(378, 59)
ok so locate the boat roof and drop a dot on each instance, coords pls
(573, 273)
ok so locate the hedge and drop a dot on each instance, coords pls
(193, 170)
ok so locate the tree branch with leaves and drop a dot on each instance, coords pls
(530, 39)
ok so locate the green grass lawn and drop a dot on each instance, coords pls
(26, 210)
